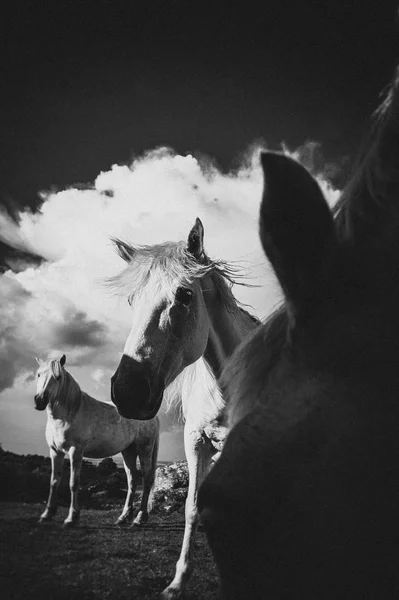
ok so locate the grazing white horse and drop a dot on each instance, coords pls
(303, 502)
(81, 426)
(185, 324)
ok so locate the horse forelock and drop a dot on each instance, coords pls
(164, 267)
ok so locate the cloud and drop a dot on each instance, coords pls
(14, 356)
(16, 260)
(78, 330)
(60, 304)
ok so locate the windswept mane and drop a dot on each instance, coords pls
(168, 264)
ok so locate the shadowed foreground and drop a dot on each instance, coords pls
(95, 560)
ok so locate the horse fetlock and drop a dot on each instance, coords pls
(47, 515)
(176, 589)
(72, 519)
(124, 518)
(172, 592)
(141, 518)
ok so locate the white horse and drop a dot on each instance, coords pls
(185, 324)
(81, 426)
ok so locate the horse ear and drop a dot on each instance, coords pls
(125, 250)
(39, 361)
(296, 229)
(62, 360)
(195, 241)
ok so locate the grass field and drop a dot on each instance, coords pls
(96, 560)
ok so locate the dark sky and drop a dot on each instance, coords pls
(88, 84)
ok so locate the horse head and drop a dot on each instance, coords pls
(48, 376)
(302, 502)
(170, 325)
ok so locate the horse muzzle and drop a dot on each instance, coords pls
(132, 391)
(41, 401)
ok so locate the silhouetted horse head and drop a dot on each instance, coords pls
(303, 502)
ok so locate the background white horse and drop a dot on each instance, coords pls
(81, 426)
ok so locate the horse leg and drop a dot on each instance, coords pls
(148, 454)
(57, 461)
(75, 457)
(129, 463)
(198, 453)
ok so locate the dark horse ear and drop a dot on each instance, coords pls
(125, 250)
(62, 360)
(297, 231)
(195, 242)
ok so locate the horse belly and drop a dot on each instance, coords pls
(101, 446)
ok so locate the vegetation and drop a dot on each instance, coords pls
(27, 479)
(96, 560)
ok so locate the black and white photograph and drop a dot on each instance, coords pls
(199, 283)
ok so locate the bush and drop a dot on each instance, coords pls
(27, 479)
(170, 489)
(106, 467)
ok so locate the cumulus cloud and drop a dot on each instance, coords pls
(60, 304)
(78, 330)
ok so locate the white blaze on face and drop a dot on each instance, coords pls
(43, 377)
(149, 324)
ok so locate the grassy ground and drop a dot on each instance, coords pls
(96, 560)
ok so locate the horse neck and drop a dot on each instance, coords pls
(229, 324)
(65, 403)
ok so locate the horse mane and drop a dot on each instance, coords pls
(164, 265)
(198, 379)
(69, 393)
(270, 339)
(375, 175)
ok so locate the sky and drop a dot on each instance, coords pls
(131, 119)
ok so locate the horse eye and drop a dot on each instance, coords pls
(183, 296)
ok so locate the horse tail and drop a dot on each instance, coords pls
(154, 461)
